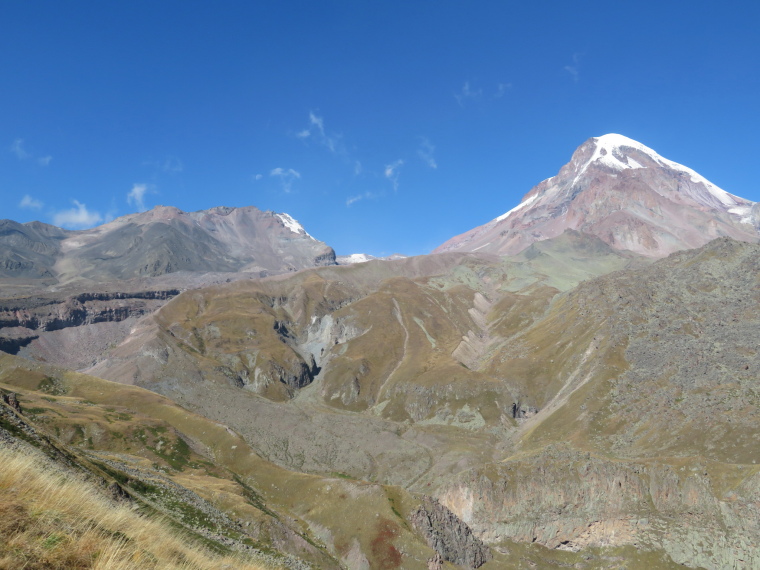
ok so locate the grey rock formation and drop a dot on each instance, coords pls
(161, 241)
(116, 493)
(24, 320)
(12, 400)
(29, 250)
(448, 535)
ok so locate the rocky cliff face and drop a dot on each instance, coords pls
(627, 195)
(73, 330)
(50, 314)
(449, 536)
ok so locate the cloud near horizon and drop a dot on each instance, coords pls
(467, 93)
(18, 149)
(501, 89)
(29, 203)
(286, 176)
(77, 218)
(365, 196)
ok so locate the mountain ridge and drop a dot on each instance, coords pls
(160, 241)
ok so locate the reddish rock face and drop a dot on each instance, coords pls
(627, 195)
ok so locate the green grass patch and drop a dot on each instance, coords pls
(52, 386)
(53, 540)
(342, 476)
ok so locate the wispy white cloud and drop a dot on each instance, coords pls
(574, 69)
(392, 172)
(286, 177)
(29, 203)
(365, 196)
(19, 149)
(77, 218)
(353, 199)
(501, 89)
(172, 165)
(136, 196)
(316, 131)
(467, 93)
(357, 168)
(169, 165)
(426, 152)
(257, 177)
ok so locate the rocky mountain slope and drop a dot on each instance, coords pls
(164, 461)
(647, 419)
(626, 194)
(479, 380)
(161, 241)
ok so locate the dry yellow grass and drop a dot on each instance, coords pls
(51, 520)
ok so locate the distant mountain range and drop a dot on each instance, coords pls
(627, 195)
(160, 241)
(613, 188)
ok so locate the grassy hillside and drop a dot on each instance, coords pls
(50, 519)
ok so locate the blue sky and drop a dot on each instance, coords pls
(381, 126)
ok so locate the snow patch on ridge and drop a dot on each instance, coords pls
(609, 151)
(520, 206)
(293, 225)
(357, 258)
(607, 146)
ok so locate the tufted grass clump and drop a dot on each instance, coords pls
(50, 519)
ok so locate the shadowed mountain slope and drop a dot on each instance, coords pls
(29, 250)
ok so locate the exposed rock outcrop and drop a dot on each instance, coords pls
(23, 320)
(52, 313)
(12, 400)
(448, 535)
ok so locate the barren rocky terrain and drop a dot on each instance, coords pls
(584, 415)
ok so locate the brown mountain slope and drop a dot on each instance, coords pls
(484, 385)
(647, 425)
(614, 415)
(394, 341)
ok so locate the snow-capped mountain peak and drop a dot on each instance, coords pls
(292, 224)
(625, 193)
(610, 152)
